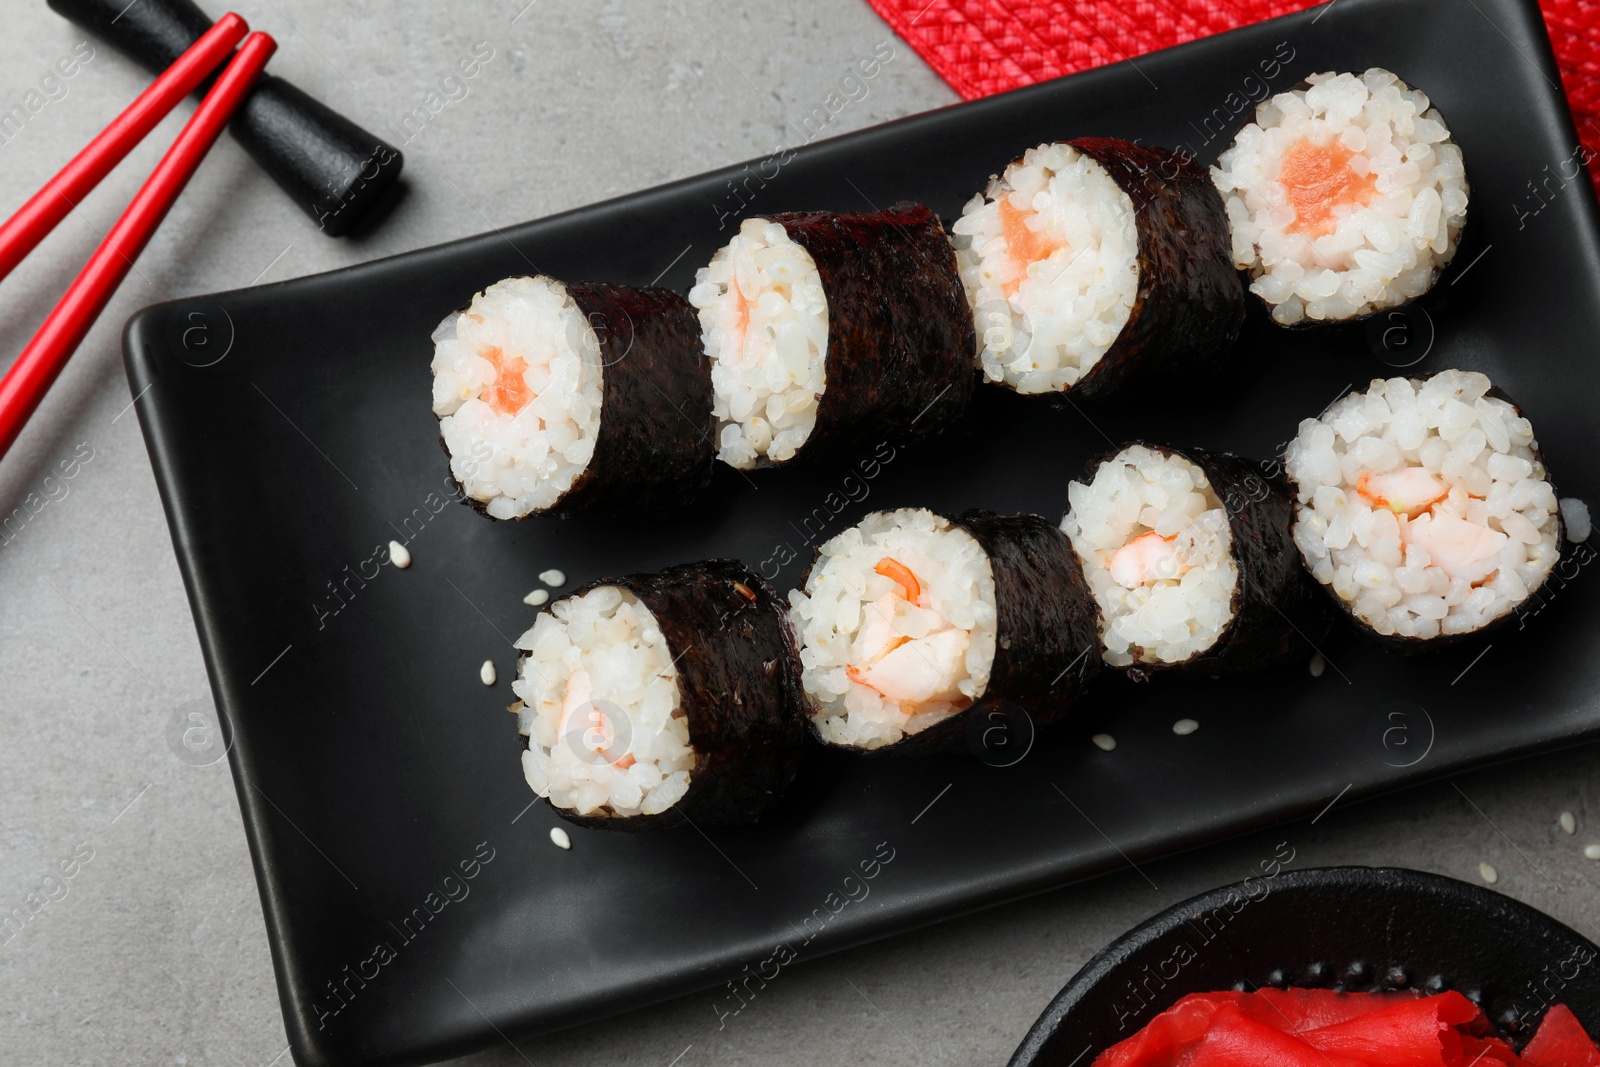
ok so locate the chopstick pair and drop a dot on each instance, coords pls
(36, 369)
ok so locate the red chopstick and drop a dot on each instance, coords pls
(36, 369)
(24, 230)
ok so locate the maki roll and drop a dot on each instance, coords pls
(573, 399)
(1423, 506)
(1191, 561)
(655, 698)
(910, 625)
(1346, 196)
(830, 333)
(1094, 262)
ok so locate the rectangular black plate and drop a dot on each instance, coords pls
(291, 436)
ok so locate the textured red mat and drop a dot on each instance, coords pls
(987, 46)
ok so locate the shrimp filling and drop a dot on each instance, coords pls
(764, 320)
(600, 707)
(1343, 198)
(1424, 504)
(897, 628)
(1048, 255)
(517, 389)
(1157, 551)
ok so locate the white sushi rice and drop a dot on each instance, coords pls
(1378, 254)
(1171, 596)
(520, 339)
(764, 321)
(1448, 568)
(941, 649)
(602, 652)
(1044, 321)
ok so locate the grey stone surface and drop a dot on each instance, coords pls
(154, 950)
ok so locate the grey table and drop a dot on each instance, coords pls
(154, 950)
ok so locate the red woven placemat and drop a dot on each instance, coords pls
(987, 46)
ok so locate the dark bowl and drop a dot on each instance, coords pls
(1346, 928)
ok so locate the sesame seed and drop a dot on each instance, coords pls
(1488, 873)
(553, 577)
(1318, 665)
(1105, 742)
(486, 672)
(1568, 823)
(536, 598)
(1591, 852)
(399, 555)
(559, 838)
(1575, 517)
(1185, 727)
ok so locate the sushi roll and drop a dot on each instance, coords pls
(1095, 262)
(1346, 197)
(1423, 506)
(830, 333)
(573, 399)
(1191, 562)
(910, 625)
(658, 698)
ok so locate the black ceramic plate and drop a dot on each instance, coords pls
(1350, 928)
(291, 436)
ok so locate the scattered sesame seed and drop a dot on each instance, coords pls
(1488, 873)
(1185, 727)
(553, 577)
(1568, 823)
(1105, 742)
(1591, 852)
(1575, 517)
(537, 598)
(399, 555)
(559, 838)
(1318, 665)
(486, 672)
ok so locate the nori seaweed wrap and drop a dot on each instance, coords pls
(1191, 559)
(855, 331)
(654, 450)
(1291, 192)
(1046, 653)
(691, 671)
(1098, 265)
(921, 634)
(574, 399)
(1428, 515)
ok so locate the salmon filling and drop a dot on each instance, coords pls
(509, 392)
(1048, 255)
(517, 387)
(764, 321)
(1344, 197)
(1320, 178)
(1025, 244)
